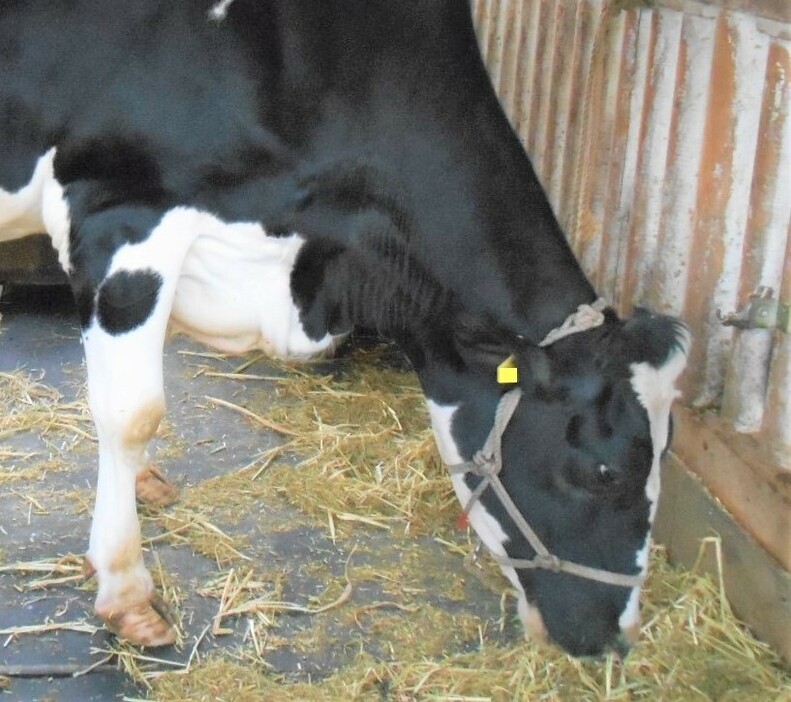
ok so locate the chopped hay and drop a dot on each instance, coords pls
(53, 573)
(187, 526)
(367, 459)
(366, 449)
(692, 649)
(26, 404)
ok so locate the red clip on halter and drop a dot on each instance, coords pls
(487, 463)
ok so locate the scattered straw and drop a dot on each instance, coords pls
(80, 626)
(367, 460)
(236, 589)
(367, 453)
(243, 594)
(26, 404)
(68, 569)
(29, 406)
(183, 525)
(265, 423)
(692, 649)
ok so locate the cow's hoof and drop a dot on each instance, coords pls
(153, 488)
(88, 571)
(148, 623)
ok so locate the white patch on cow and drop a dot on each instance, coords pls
(219, 11)
(38, 208)
(441, 425)
(656, 390)
(485, 525)
(234, 291)
(630, 617)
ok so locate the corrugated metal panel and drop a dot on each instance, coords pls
(663, 138)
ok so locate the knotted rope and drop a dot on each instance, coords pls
(586, 317)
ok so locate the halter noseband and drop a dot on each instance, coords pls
(488, 462)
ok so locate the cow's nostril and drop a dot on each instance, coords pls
(621, 645)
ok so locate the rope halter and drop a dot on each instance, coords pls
(488, 462)
(586, 317)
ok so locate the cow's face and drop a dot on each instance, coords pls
(580, 460)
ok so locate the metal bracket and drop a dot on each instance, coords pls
(784, 317)
(762, 311)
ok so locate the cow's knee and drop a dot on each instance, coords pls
(125, 420)
(142, 423)
(152, 487)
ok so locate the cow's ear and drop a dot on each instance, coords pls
(535, 369)
(653, 338)
(481, 342)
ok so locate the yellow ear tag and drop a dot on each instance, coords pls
(507, 372)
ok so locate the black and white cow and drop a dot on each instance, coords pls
(270, 173)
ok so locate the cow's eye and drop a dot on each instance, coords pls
(606, 474)
(593, 478)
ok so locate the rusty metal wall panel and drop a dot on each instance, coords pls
(770, 227)
(777, 423)
(663, 138)
(661, 41)
(724, 197)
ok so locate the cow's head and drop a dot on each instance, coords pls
(580, 461)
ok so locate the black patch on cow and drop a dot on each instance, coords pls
(128, 172)
(573, 429)
(126, 300)
(22, 143)
(96, 236)
(307, 279)
(379, 285)
(354, 187)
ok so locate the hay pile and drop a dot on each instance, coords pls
(692, 649)
(366, 449)
(365, 458)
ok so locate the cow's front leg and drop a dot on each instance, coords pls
(125, 316)
(127, 403)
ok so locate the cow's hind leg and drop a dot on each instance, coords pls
(123, 348)
(152, 487)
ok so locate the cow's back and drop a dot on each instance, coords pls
(371, 126)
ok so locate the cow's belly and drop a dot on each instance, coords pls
(234, 293)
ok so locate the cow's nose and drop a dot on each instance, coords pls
(622, 646)
(631, 633)
(624, 641)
